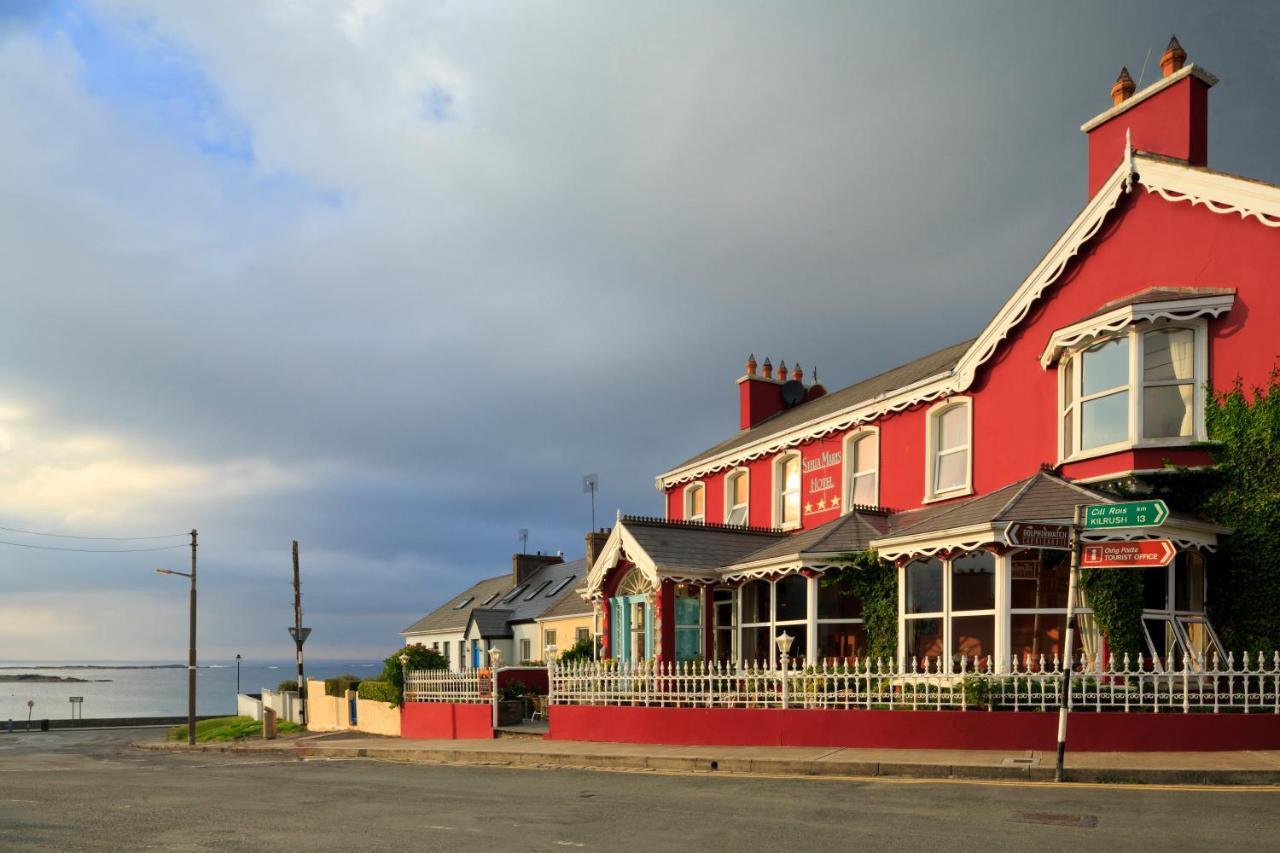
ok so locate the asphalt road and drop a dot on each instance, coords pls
(90, 790)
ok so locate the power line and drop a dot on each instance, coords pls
(92, 538)
(92, 550)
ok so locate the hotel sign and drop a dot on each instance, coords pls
(1027, 535)
(821, 474)
(1131, 514)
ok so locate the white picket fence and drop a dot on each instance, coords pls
(440, 685)
(1250, 686)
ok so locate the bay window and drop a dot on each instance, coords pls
(1137, 387)
(767, 609)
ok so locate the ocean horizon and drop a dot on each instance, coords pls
(135, 688)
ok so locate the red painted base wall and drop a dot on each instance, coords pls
(444, 720)
(915, 729)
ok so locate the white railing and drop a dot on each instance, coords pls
(439, 685)
(1250, 685)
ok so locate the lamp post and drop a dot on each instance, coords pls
(404, 678)
(784, 645)
(237, 674)
(495, 661)
(191, 650)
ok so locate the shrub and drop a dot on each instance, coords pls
(582, 650)
(420, 657)
(517, 690)
(287, 685)
(379, 691)
(339, 685)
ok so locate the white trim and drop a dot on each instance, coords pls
(729, 505)
(936, 541)
(1190, 69)
(1217, 192)
(689, 491)
(777, 487)
(932, 419)
(1176, 310)
(846, 464)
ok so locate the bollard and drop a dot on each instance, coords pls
(268, 723)
(11, 725)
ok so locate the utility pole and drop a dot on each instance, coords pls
(298, 636)
(1064, 699)
(191, 652)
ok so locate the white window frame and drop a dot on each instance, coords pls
(779, 497)
(1135, 441)
(775, 626)
(847, 457)
(689, 491)
(526, 650)
(932, 419)
(729, 505)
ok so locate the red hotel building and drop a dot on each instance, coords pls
(1095, 369)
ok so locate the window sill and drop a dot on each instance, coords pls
(790, 525)
(948, 495)
(1123, 447)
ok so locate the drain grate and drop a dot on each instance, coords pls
(1082, 821)
(1020, 762)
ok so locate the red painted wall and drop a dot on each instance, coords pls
(1147, 242)
(1173, 122)
(1135, 732)
(446, 721)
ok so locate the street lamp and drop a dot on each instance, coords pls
(549, 653)
(191, 651)
(404, 677)
(784, 645)
(237, 675)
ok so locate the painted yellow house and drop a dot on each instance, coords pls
(564, 624)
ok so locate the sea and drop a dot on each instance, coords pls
(150, 689)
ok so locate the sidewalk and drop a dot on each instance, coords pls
(1157, 768)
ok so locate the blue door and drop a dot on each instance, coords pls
(475, 654)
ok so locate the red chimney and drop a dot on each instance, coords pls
(1169, 117)
(758, 396)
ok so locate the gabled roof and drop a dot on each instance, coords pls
(544, 585)
(954, 369)
(490, 623)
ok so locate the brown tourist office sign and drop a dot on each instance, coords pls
(1027, 535)
(1127, 555)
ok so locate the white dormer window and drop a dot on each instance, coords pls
(786, 490)
(695, 502)
(862, 469)
(736, 497)
(1138, 387)
(948, 444)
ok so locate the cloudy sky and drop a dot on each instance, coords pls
(389, 277)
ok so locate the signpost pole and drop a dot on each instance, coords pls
(298, 637)
(1064, 701)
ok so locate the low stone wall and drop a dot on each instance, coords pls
(325, 713)
(248, 705)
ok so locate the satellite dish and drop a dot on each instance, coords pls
(793, 393)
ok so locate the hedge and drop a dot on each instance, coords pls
(339, 685)
(378, 691)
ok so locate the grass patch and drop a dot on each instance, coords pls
(230, 728)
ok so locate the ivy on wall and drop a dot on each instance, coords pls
(875, 582)
(1243, 493)
(1116, 598)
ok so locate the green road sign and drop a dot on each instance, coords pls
(1131, 514)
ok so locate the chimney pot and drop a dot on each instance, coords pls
(768, 368)
(782, 371)
(1123, 88)
(1174, 57)
(751, 365)
(798, 373)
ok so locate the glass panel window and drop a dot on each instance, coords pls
(973, 581)
(924, 586)
(863, 460)
(1155, 588)
(1188, 582)
(1167, 410)
(737, 491)
(924, 638)
(841, 643)
(1168, 383)
(755, 602)
(756, 644)
(972, 637)
(1040, 580)
(1104, 420)
(695, 500)
(791, 595)
(1105, 367)
(837, 601)
(1035, 634)
(789, 490)
(951, 466)
(581, 634)
(1104, 393)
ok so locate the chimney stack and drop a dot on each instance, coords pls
(524, 565)
(759, 396)
(1170, 117)
(595, 544)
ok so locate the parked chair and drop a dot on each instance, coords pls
(539, 708)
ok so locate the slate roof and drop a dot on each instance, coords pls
(1161, 294)
(569, 605)
(491, 623)
(685, 546)
(448, 617)
(852, 532)
(860, 392)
